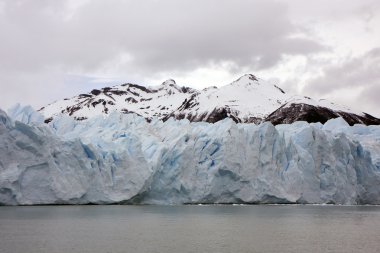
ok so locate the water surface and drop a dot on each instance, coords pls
(189, 229)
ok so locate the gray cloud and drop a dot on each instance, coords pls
(44, 41)
(158, 35)
(355, 72)
(358, 73)
(370, 98)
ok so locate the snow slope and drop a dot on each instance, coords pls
(149, 102)
(121, 158)
(248, 99)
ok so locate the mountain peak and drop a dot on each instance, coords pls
(246, 79)
(169, 82)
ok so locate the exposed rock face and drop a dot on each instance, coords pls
(303, 112)
(246, 100)
(124, 159)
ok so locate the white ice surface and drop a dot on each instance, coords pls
(122, 158)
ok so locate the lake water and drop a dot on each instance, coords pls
(168, 229)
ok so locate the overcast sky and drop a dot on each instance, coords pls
(324, 49)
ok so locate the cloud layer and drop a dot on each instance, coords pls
(357, 76)
(45, 42)
(154, 35)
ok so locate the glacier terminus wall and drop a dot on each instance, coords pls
(121, 158)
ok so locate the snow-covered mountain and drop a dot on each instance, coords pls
(248, 99)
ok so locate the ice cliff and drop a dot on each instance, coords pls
(121, 158)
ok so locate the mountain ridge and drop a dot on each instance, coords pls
(246, 100)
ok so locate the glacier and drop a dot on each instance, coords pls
(122, 158)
